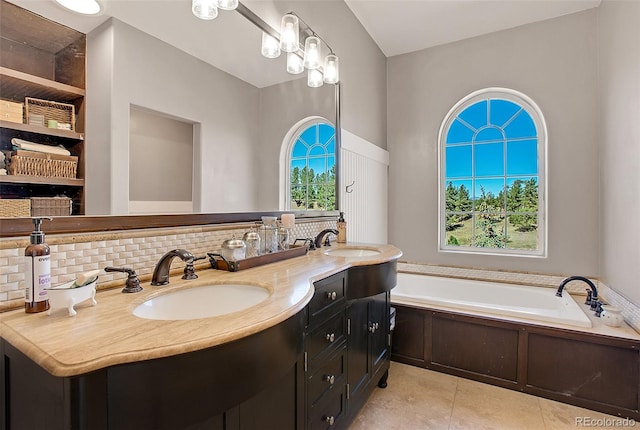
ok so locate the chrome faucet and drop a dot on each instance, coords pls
(161, 272)
(592, 299)
(322, 234)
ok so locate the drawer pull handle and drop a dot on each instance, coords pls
(373, 327)
(330, 337)
(331, 379)
(331, 295)
(329, 420)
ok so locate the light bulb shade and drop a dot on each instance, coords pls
(312, 57)
(227, 4)
(314, 78)
(85, 7)
(294, 63)
(270, 46)
(204, 9)
(331, 69)
(289, 33)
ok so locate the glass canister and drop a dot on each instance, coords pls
(270, 233)
(252, 239)
(234, 249)
(283, 238)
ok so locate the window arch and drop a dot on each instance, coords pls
(310, 166)
(492, 175)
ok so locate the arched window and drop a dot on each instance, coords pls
(311, 171)
(492, 175)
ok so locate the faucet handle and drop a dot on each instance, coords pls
(598, 307)
(588, 300)
(133, 283)
(189, 270)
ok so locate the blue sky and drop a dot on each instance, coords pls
(494, 139)
(315, 146)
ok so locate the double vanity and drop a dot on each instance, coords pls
(295, 344)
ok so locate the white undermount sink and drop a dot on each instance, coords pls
(352, 252)
(201, 302)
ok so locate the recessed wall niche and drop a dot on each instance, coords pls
(160, 163)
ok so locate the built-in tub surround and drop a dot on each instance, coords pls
(502, 300)
(458, 326)
(630, 311)
(137, 249)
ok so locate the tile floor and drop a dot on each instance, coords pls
(420, 399)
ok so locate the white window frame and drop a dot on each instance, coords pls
(285, 157)
(541, 127)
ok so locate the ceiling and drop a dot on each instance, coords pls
(397, 26)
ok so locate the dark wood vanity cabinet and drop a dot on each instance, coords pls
(347, 343)
(313, 371)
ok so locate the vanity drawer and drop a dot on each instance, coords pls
(326, 338)
(328, 297)
(329, 375)
(327, 411)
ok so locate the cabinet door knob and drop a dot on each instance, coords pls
(329, 420)
(331, 379)
(331, 295)
(330, 337)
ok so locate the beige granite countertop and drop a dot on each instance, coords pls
(109, 334)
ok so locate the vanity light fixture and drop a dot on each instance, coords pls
(270, 46)
(294, 63)
(85, 7)
(331, 70)
(227, 4)
(289, 33)
(314, 78)
(312, 52)
(310, 57)
(204, 9)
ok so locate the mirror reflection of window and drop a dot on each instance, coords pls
(312, 169)
(160, 163)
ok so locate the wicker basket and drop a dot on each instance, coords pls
(10, 208)
(31, 163)
(62, 112)
(50, 206)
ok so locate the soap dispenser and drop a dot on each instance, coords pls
(37, 271)
(342, 229)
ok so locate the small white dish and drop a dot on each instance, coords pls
(63, 296)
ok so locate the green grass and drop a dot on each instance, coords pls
(516, 239)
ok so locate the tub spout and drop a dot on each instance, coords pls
(594, 290)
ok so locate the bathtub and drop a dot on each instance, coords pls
(506, 300)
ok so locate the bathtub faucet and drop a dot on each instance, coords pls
(594, 292)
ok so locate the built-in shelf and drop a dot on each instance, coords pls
(16, 85)
(40, 180)
(30, 128)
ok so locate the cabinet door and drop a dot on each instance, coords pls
(358, 363)
(379, 329)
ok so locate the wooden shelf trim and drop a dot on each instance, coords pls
(26, 85)
(20, 179)
(42, 130)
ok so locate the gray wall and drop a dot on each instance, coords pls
(619, 69)
(128, 67)
(555, 63)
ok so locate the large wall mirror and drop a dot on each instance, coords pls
(210, 74)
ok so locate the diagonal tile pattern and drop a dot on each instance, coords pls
(420, 399)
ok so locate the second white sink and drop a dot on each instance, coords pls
(201, 302)
(352, 252)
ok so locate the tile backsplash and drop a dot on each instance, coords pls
(136, 249)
